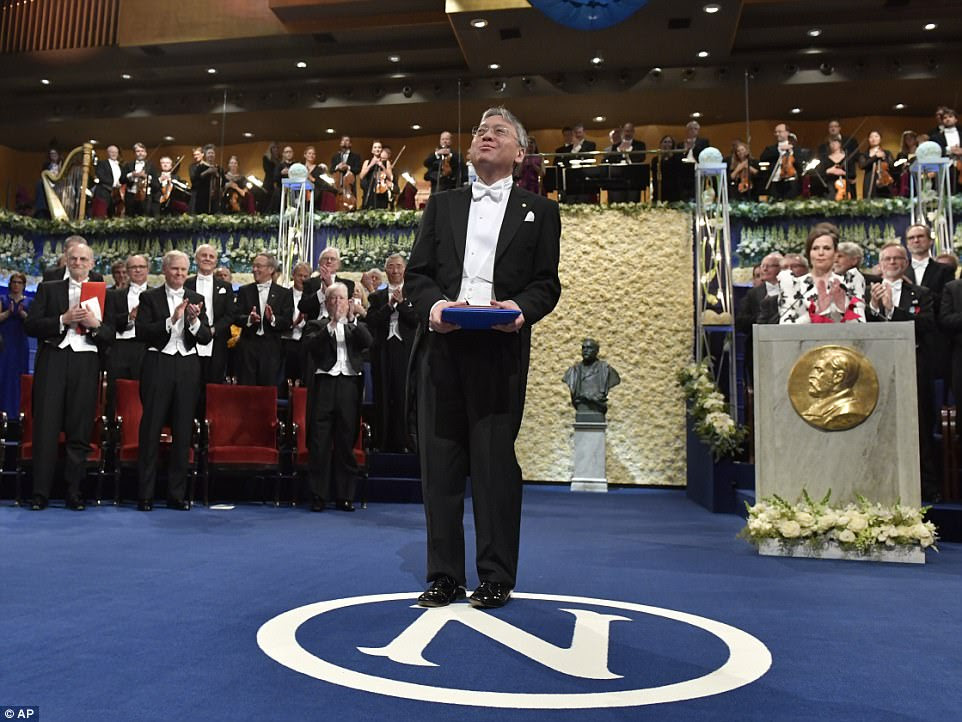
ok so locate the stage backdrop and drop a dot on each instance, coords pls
(626, 279)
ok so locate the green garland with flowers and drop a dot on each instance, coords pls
(708, 409)
(863, 526)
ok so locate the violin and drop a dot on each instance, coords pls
(788, 166)
(841, 188)
(883, 178)
(167, 184)
(446, 169)
(382, 186)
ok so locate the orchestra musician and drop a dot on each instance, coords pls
(197, 153)
(836, 172)
(951, 144)
(628, 150)
(877, 163)
(849, 144)
(108, 175)
(445, 166)
(141, 183)
(269, 162)
(693, 146)
(904, 160)
(280, 175)
(786, 162)
(205, 182)
(378, 184)
(666, 172)
(742, 174)
(345, 166)
(169, 200)
(237, 195)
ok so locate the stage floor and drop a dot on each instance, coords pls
(633, 604)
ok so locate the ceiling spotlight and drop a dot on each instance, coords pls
(126, 76)
(168, 138)
(814, 32)
(702, 53)
(899, 106)
(479, 23)
(301, 64)
(45, 81)
(394, 58)
(331, 131)
(494, 66)
(416, 126)
(499, 86)
(712, 8)
(929, 26)
(398, 76)
(248, 134)
(92, 141)
(656, 71)
(599, 119)
(211, 71)
(407, 91)
(696, 114)
(796, 111)
(597, 60)
(826, 68)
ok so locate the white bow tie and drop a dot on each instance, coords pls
(175, 294)
(138, 289)
(479, 190)
(920, 264)
(75, 284)
(263, 286)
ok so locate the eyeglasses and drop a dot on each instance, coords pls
(502, 131)
(136, 268)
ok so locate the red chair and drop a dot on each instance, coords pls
(96, 458)
(127, 415)
(298, 443)
(242, 431)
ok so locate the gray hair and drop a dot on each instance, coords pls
(302, 264)
(203, 247)
(72, 241)
(134, 257)
(852, 250)
(330, 251)
(171, 255)
(271, 260)
(393, 256)
(503, 112)
(337, 285)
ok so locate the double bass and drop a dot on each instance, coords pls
(346, 198)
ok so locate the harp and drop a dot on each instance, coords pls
(66, 191)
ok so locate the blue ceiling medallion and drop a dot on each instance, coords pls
(588, 14)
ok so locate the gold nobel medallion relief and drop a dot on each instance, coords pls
(834, 388)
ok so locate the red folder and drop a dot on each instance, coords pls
(94, 289)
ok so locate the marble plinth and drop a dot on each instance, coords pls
(878, 459)
(589, 457)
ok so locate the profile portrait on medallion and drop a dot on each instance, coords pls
(833, 388)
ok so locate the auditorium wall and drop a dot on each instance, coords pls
(626, 282)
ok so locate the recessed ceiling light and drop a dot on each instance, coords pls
(930, 26)
(301, 64)
(712, 8)
(814, 32)
(394, 58)
(416, 126)
(248, 134)
(494, 66)
(656, 70)
(331, 131)
(796, 111)
(899, 106)
(45, 81)
(211, 71)
(599, 119)
(126, 76)
(479, 23)
(696, 114)
(398, 76)
(92, 141)
(702, 53)
(597, 60)
(168, 138)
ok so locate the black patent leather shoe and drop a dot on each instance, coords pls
(490, 595)
(145, 505)
(441, 593)
(75, 503)
(345, 505)
(39, 503)
(178, 505)
(317, 504)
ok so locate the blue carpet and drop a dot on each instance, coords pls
(116, 615)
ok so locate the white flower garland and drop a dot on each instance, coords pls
(707, 406)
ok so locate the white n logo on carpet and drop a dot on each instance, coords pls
(587, 657)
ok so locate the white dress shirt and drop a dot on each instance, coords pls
(297, 329)
(115, 169)
(951, 136)
(133, 301)
(74, 339)
(205, 287)
(488, 204)
(342, 366)
(262, 290)
(771, 289)
(918, 268)
(393, 331)
(175, 346)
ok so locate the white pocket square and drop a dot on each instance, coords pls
(530, 217)
(221, 290)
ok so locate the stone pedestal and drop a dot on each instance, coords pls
(589, 459)
(878, 459)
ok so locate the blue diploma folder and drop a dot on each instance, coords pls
(475, 318)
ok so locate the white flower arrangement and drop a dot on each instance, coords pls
(863, 527)
(707, 406)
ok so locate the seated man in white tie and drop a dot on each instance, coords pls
(896, 298)
(172, 321)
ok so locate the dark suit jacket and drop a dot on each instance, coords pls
(353, 160)
(915, 304)
(153, 182)
(950, 321)
(379, 313)
(153, 314)
(281, 301)
(56, 274)
(310, 305)
(117, 308)
(224, 313)
(754, 309)
(526, 259)
(935, 278)
(321, 346)
(614, 156)
(43, 318)
(103, 179)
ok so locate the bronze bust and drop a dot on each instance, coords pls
(589, 383)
